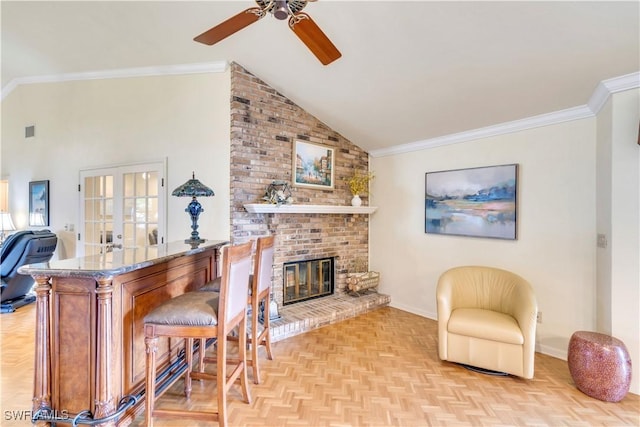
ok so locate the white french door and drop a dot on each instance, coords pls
(121, 207)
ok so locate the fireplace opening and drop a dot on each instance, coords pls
(307, 279)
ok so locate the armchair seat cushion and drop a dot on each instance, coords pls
(485, 324)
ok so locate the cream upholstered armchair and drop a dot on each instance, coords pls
(487, 319)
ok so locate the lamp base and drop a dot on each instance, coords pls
(194, 242)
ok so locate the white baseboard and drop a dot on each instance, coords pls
(552, 351)
(423, 313)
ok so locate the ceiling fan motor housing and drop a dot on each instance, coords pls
(281, 9)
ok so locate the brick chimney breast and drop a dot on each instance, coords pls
(264, 126)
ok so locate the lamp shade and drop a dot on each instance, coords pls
(36, 219)
(6, 223)
(193, 188)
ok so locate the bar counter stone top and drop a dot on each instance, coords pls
(117, 262)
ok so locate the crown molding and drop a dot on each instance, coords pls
(167, 70)
(599, 97)
(597, 100)
(611, 86)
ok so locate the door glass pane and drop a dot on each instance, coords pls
(152, 179)
(88, 231)
(141, 210)
(107, 188)
(89, 213)
(152, 215)
(141, 184)
(128, 210)
(89, 187)
(98, 213)
(129, 239)
(108, 210)
(128, 185)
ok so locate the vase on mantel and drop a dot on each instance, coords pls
(356, 201)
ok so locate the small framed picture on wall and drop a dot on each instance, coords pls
(39, 203)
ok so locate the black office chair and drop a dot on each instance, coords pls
(22, 248)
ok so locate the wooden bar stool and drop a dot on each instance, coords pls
(259, 293)
(202, 315)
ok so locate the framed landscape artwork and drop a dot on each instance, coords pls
(39, 203)
(477, 202)
(313, 165)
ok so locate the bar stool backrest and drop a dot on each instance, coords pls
(266, 250)
(233, 287)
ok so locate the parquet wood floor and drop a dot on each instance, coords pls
(378, 369)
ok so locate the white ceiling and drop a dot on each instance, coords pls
(410, 71)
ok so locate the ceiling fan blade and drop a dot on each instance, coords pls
(230, 26)
(311, 35)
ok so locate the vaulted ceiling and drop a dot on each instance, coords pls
(410, 71)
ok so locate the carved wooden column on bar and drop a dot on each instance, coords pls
(42, 383)
(104, 395)
(216, 268)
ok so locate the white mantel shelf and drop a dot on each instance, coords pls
(308, 209)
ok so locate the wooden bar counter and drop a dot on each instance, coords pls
(90, 350)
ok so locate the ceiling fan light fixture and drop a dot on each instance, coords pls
(281, 10)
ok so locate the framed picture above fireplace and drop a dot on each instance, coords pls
(313, 165)
(476, 202)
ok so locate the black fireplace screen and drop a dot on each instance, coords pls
(308, 279)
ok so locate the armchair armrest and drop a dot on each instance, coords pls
(444, 295)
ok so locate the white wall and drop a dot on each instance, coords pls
(85, 124)
(556, 245)
(604, 166)
(555, 248)
(625, 226)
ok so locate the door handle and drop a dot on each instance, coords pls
(112, 246)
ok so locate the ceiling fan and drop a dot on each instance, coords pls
(301, 24)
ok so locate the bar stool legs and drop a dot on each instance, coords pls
(151, 345)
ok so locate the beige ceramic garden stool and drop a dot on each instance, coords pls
(599, 365)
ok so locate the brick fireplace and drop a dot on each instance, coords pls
(264, 126)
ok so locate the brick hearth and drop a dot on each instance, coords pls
(308, 315)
